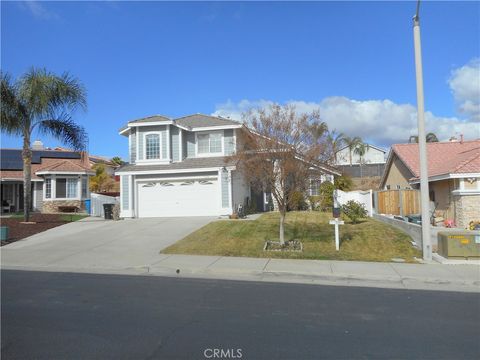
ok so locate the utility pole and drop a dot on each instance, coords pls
(422, 142)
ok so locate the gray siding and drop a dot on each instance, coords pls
(164, 144)
(140, 145)
(133, 146)
(190, 144)
(228, 141)
(225, 197)
(184, 144)
(175, 143)
(125, 192)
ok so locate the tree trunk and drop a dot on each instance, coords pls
(282, 227)
(27, 176)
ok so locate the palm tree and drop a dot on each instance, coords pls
(335, 141)
(352, 143)
(41, 101)
(430, 138)
(117, 160)
(361, 150)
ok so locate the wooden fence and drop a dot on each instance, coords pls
(397, 202)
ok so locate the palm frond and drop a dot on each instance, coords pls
(66, 130)
(13, 113)
(44, 92)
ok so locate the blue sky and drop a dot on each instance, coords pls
(353, 60)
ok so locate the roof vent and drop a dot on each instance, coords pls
(37, 145)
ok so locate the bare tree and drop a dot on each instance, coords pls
(278, 152)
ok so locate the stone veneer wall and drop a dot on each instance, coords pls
(467, 208)
(51, 206)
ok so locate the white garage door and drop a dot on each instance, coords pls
(178, 198)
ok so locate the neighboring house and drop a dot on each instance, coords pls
(372, 164)
(59, 178)
(373, 155)
(110, 167)
(454, 176)
(180, 167)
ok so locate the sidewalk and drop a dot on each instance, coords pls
(342, 273)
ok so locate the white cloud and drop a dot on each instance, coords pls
(38, 10)
(465, 85)
(381, 122)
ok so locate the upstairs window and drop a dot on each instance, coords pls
(152, 142)
(209, 143)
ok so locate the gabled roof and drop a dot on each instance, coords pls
(200, 120)
(64, 166)
(444, 158)
(152, 118)
(369, 145)
(190, 122)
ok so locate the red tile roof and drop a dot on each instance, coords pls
(443, 157)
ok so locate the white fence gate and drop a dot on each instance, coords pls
(363, 197)
(97, 201)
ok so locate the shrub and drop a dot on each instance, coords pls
(344, 183)
(326, 195)
(314, 202)
(354, 211)
(297, 201)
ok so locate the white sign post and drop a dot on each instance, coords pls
(337, 222)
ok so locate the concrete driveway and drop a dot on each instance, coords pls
(95, 243)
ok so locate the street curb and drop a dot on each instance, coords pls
(404, 283)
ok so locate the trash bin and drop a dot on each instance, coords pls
(4, 233)
(108, 210)
(88, 205)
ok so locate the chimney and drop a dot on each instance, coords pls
(37, 145)
(461, 138)
(85, 159)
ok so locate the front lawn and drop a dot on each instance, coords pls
(369, 240)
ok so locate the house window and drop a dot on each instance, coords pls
(65, 188)
(152, 146)
(48, 188)
(315, 187)
(209, 143)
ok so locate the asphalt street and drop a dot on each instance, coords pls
(86, 316)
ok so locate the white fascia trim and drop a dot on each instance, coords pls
(210, 128)
(124, 131)
(182, 127)
(65, 173)
(173, 171)
(447, 176)
(19, 180)
(194, 177)
(151, 123)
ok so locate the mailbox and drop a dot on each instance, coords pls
(461, 244)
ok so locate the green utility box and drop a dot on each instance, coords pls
(461, 244)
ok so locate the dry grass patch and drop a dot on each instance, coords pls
(369, 240)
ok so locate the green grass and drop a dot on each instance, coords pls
(369, 240)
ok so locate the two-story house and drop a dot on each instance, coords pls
(180, 167)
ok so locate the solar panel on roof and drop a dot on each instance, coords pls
(11, 159)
